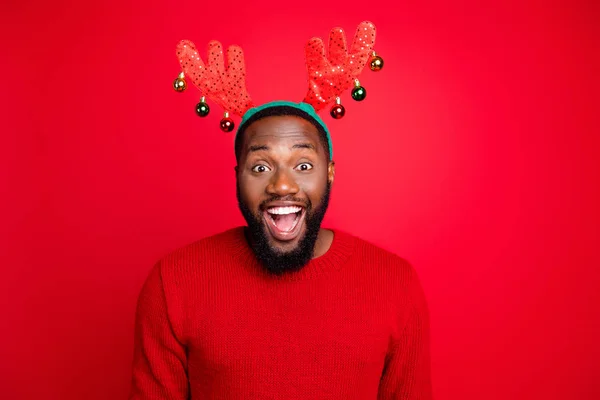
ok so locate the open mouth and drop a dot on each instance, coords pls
(285, 223)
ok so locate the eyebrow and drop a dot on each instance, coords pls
(309, 146)
(257, 148)
(304, 146)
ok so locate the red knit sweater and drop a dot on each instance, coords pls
(212, 324)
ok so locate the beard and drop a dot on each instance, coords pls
(276, 261)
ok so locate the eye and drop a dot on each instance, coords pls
(304, 167)
(260, 168)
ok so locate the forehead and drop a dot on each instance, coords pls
(281, 129)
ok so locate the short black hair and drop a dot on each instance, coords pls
(278, 111)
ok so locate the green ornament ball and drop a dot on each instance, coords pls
(359, 93)
(202, 109)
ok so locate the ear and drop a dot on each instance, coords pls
(331, 172)
(236, 169)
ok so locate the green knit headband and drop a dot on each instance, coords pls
(304, 107)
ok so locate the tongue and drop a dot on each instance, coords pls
(284, 222)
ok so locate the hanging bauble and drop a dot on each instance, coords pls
(358, 93)
(227, 124)
(179, 84)
(337, 110)
(376, 63)
(202, 109)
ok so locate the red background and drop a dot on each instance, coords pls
(474, 157)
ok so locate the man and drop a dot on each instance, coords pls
(282, 308)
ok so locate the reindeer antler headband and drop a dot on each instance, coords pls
(328, 75)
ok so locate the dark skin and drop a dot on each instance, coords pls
(283, 156)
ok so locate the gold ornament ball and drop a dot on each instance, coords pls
(376, 63)
(179, 84)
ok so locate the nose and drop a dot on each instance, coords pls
(281, 184)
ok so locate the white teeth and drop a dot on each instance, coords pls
(284, 210)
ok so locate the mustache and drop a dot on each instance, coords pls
(306, 202)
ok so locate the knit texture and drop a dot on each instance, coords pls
(211, 323)
(306, 111)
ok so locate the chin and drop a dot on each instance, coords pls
(283, 232)
(281, 256)
(283, 246)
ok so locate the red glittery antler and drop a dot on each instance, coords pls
(226, 86)
(329, 76)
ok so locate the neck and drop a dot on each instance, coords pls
(323, 243)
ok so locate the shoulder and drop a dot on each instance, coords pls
(378, 258)
(386, 270)
(200, 255)
(209, 244)
(392, 274)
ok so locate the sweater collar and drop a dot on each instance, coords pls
(337, 254)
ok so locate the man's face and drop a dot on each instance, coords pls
(283, 182)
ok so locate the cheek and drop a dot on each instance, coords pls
(314, 186)
(251, 191)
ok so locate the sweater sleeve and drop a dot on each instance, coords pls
(160, 362)
(406, 374)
